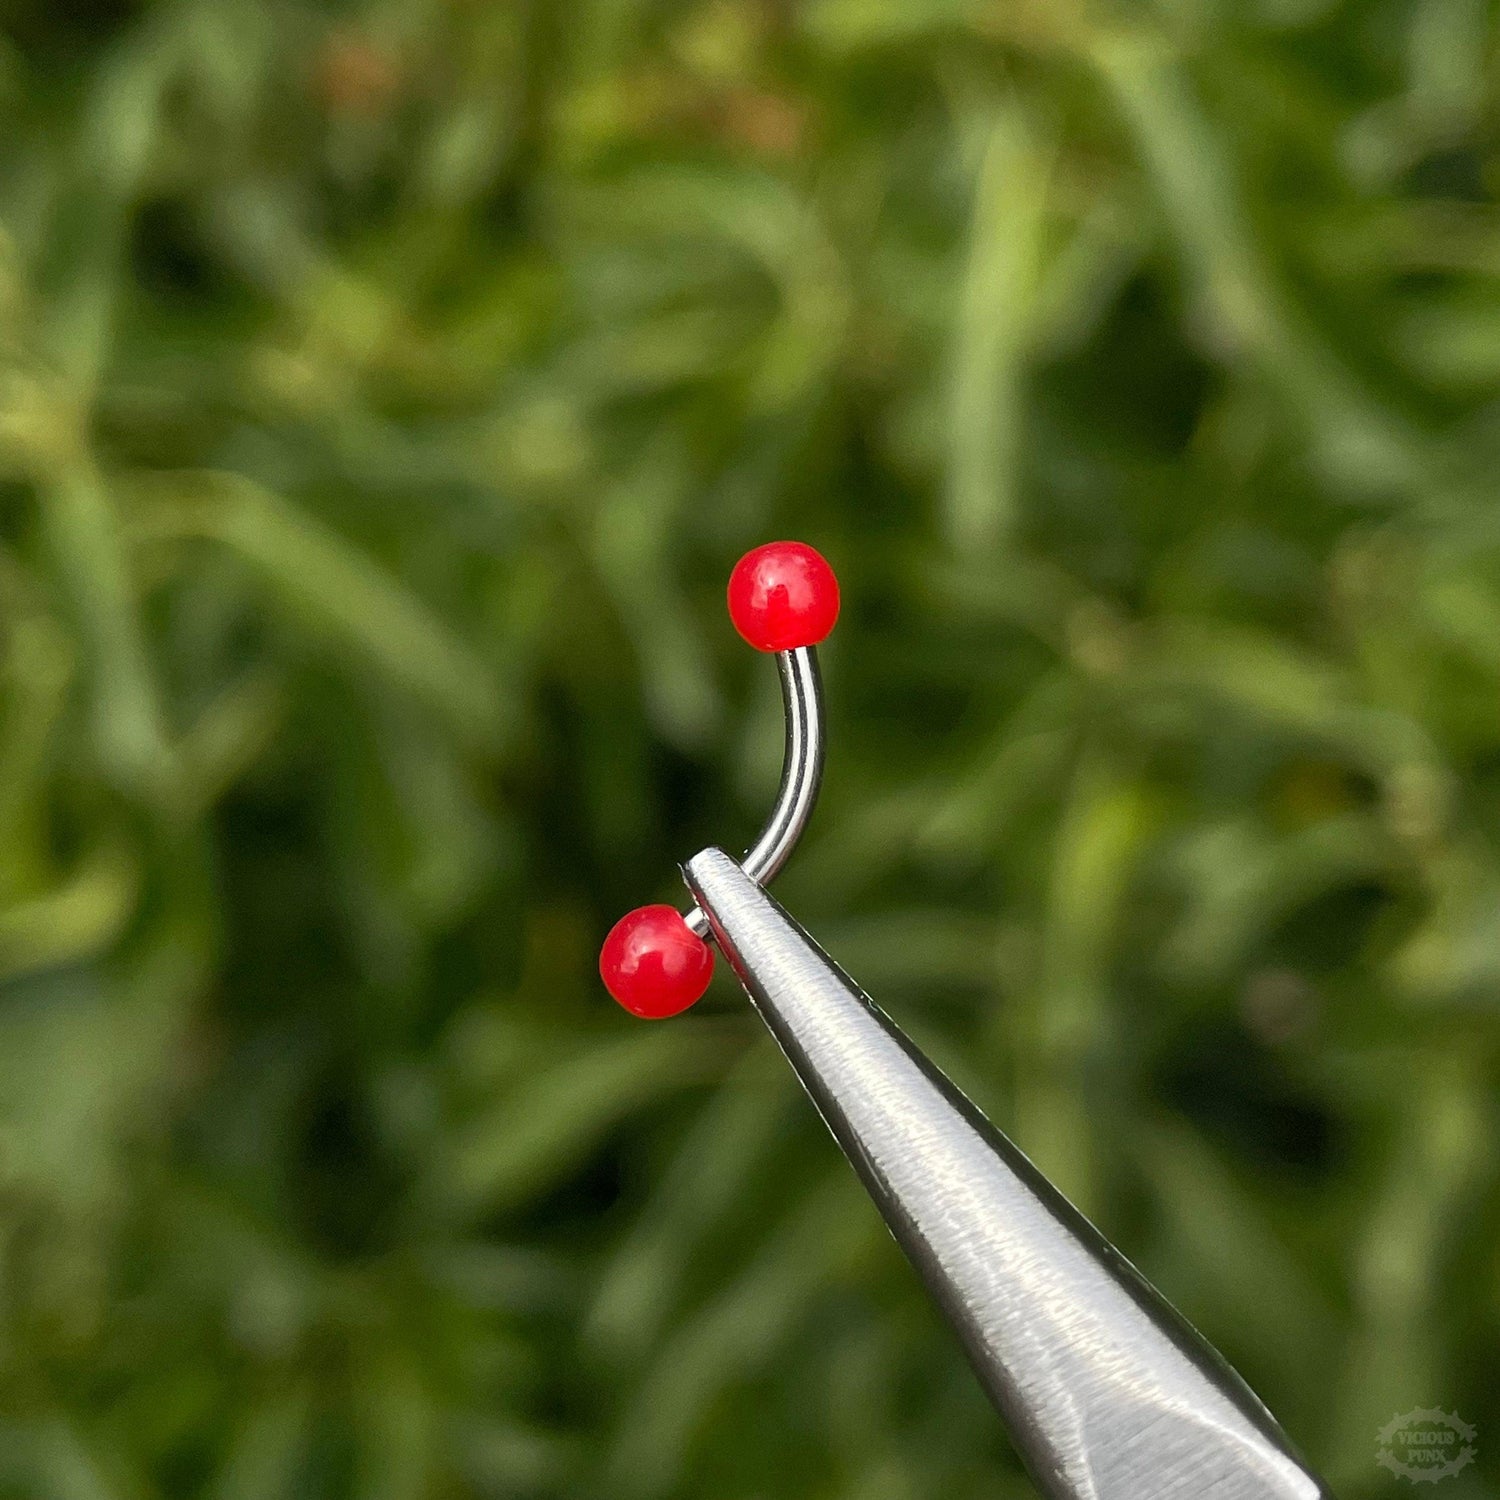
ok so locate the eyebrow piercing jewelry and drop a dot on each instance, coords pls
(783, 599)
(1107, 1391)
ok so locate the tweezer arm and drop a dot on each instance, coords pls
(1108, 1393)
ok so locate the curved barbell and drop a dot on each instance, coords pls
(783, 599)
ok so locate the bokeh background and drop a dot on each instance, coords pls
(386, 391)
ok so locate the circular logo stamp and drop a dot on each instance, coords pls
(1425, 1445)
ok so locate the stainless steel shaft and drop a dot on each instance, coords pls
(1108, 1393)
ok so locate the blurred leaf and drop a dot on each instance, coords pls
(994, 328)
(546, 1126)
(340, 594)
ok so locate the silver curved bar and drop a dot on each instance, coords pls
(801, 773)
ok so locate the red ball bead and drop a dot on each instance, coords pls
(783, 595)
(654, 964)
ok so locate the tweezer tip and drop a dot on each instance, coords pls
(749, 927)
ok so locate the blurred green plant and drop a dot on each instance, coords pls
(385, 392)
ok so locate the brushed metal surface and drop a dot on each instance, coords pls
(1107, 1392)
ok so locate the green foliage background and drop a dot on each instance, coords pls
(385, 393)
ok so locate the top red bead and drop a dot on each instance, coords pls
(783, 595)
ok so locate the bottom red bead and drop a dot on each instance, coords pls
(654, 964)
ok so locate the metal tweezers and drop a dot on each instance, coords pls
(1108, 1393)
